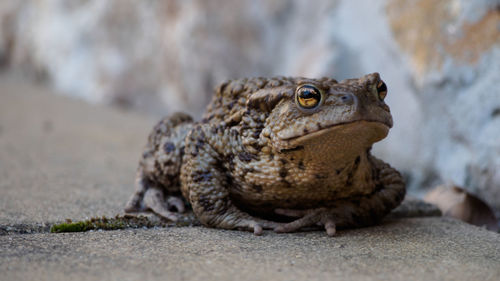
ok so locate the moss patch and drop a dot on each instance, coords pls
(118, 222)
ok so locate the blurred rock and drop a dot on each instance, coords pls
(438, 58)
(455, 202)
(414, 207)
(156, 56)
(454, 50)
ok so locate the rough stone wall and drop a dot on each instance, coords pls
(440, 59)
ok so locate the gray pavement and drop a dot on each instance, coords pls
(61, 158)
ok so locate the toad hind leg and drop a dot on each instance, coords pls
(204, 182)
(157, 182)
(352, 213)
(151, 198)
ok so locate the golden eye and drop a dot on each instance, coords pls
(381, 90)
(308, 97)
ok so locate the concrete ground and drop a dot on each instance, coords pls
(61, 158)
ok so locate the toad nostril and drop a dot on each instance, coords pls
(347, 99)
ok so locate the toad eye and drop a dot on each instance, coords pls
(308, 97)
(381, 90)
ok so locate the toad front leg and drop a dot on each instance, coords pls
(360, 211)
(205, 184)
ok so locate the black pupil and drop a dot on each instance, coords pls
(382, 88)
(308, 92)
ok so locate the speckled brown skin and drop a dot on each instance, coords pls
(258, 157)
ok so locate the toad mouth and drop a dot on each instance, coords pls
(330, 127)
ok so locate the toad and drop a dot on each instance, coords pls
(274, 153)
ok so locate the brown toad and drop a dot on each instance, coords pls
(268, 150)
